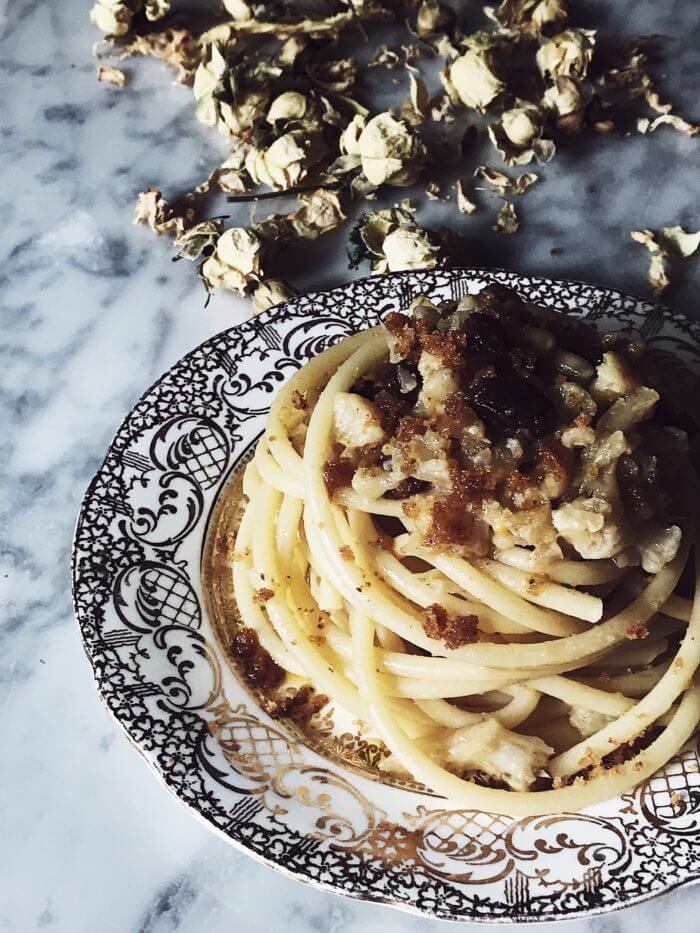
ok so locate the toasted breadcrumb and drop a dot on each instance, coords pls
(262, 595)
(299, 705)
(299, 400)
(453, 633)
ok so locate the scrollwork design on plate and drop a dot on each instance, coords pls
(463, 845)
(594, 842)
(311, 337)
(182, 663)
(150, 594)
(670, 799)
(337, 808)
(193, 445)
(255, 748)
(160, 670)
(164, 507)
(246, 393)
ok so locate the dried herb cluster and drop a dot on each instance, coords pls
(273, 79)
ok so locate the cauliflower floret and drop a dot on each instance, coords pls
(408, 457)
(609, 450)
(598, 471)
(530, 527)
(614, 378)
(514, 448)
(577, 435)
(439, 382)
(587, 721)
(500, 753)
(594, 527)
(436, 472)
(373, 482)
(357, 422)
(658, 546)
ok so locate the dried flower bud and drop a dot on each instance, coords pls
(154, 210)
(176, 47)
(238, 10)
(522, 125)
(663, 246)
(246, 113)
(471, 78)
(199, 239)
(350, 137)
(156, 9)
(506, 220)
(338, 76)
(113, 17)
(409, 248)
(269, 293)
(234, 100)
(517, 135)
(231, 176)
(531, 17)
(319, 212)
(236, 262)
(568, 54)
(291, 105)
(390, 151)
(287, 161)
(433, 17)
(391, 241)
(566, 100)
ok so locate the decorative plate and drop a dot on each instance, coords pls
(160, 669)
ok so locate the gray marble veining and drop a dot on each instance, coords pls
(92, 312)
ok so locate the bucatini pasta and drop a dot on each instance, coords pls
(467, 527)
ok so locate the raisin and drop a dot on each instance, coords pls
(508, 404)
(522, 360)
(391, 408)
(578, 337)
(337, 474)
(486, 337)
(407, 487)
(385, 391)
(638, 489)
(502, 303)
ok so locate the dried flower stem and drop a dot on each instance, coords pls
(271, 195)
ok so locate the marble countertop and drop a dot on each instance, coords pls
(92, 312)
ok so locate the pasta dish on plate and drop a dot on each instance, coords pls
(471, 527)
